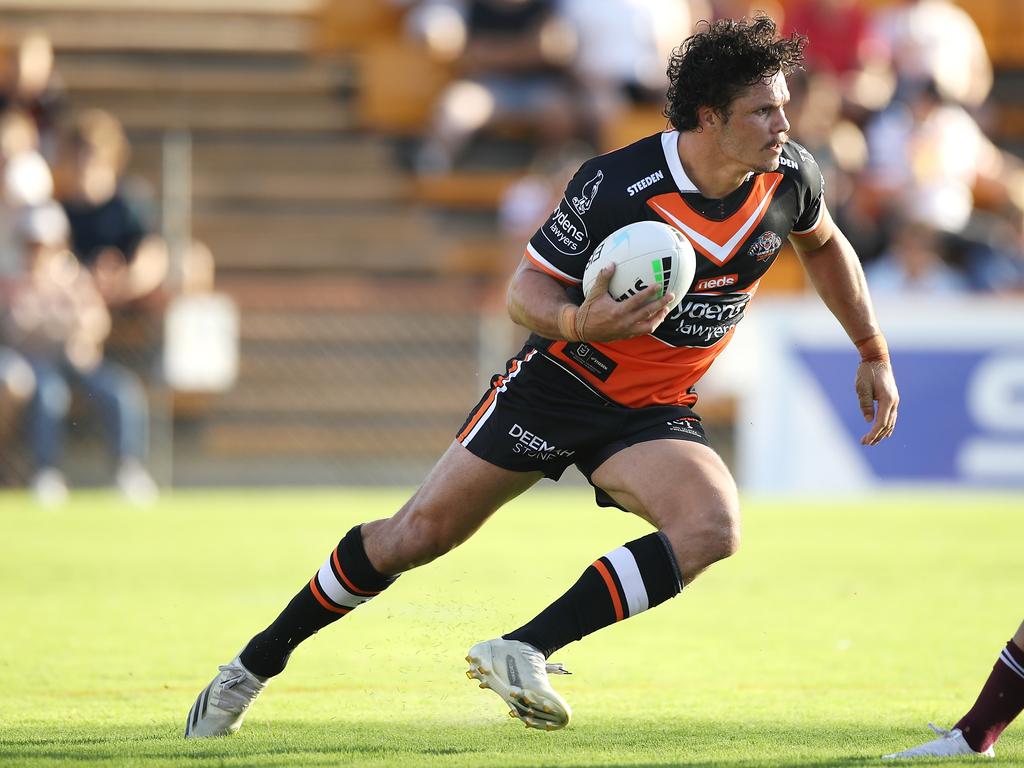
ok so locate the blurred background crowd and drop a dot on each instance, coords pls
(365, 175)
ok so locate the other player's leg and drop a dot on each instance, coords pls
(1000, 701)
(459, 494)
(687, 493)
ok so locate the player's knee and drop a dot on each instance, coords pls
(425, 535)
(699, 541)
(728, 528)
(724, 521)
(719, 536)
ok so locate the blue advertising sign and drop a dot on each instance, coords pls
(940, 430)
(959, 366)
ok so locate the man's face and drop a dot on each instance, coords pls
(756, 127)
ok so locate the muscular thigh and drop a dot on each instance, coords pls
(456, 498)
(673, 484)
(465, 488)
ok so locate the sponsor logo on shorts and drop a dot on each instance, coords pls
(766, 246)
(585, 199)
(715, 283)
(645, 182)
(688, 424)
(534, 446)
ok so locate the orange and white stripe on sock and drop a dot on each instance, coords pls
(334, 590)
(635, 578)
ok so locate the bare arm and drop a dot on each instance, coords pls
(538, 301)
(835, 272)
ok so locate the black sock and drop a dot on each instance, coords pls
(345, 581)
(633, 578)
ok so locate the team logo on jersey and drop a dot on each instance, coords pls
(586, 197)
(766, 246)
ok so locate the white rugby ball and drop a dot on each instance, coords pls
(644, 253)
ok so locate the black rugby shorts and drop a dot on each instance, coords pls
(539, 416)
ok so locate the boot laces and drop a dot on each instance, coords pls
(237, 689)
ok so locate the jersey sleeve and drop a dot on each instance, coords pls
(811, 187)
(580, 221)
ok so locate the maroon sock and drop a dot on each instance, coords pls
(999, 702)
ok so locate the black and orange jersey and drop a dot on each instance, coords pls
(736, 239)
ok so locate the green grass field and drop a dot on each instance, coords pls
(835, 635)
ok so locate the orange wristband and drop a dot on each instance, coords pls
(873, 349)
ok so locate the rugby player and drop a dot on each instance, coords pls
(608, 386)
(1000, 701)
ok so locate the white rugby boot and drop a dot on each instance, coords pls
(518, 673)
(221, 706)
(949, 744)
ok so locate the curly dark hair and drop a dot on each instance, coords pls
(712, 66)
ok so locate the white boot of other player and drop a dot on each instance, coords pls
(949, 744)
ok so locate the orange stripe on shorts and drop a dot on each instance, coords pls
(476, 417)
(502, 380)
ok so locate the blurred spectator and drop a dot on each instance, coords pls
(623, 47)
(817, 122)
(843, 43)
(25, 179)
(840, 149)
(935, 41)
(109, 232)
(111, 229)
(740, 9)
(57, 319)
(17, 383)
(927, 154)
(913, 264)
(927, 159)
(838, 33)
(514, 58)
(29, 84)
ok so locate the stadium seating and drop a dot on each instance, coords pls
(311, 221)
(360, 287)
